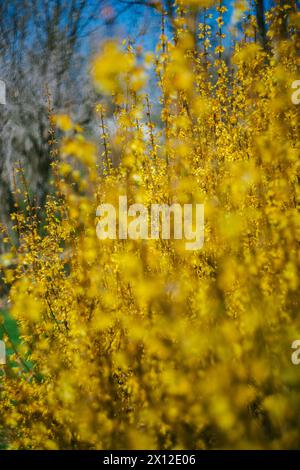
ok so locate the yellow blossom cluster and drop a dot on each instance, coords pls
(128, 344)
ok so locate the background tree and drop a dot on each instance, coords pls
(42, 44)
(261, 22)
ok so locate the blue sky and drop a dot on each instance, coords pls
(142, 24)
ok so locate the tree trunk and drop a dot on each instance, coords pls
(261, 23)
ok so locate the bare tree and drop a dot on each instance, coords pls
(42, 43)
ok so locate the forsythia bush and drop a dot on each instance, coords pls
(130, 344)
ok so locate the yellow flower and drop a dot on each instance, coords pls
(111, 67)
(197, 3)
(63, 122)
(78, 147)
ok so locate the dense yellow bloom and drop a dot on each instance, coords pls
(140, 343)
